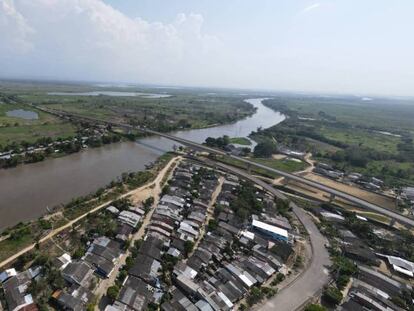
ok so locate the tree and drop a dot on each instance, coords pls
(264, 149)
(332, 295)
(188, 247)
(112, 292)
(315, 307)
(255, 296)
(148, 203)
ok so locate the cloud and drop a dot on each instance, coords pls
(310, 8)
(15, 31)
(89, 39)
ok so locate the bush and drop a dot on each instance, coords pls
(315, 307)
(188, 247)
(112, 292)
(265, 149)
(256, 295)
(332, 295)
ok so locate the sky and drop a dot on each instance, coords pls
(320, 46)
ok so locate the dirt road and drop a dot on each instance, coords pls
(56, 231)
(154, 190)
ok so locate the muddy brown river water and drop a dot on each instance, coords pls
(27, 190)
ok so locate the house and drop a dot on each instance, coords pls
(145, 268)
(400, 265)
(76, 299)
(227, 283)
(185, 228)
(137, 210)
(186, 284)
(179, 302)
(270, 231)
(136, 294)
(78, 272)
(233, 230)
(408, 193)
(62, 261)
(246, 278)
(381, 281)
(173, 252)
(332, 217)
(179, 202)
(258, 268)
(182, 268)
(102, 254)
(123, 232)
(112, 209)
(129, 218)
(15, 293)
(281, 250)
(15, 289)
(6, 274)
(103, 267)
(359, 251)
(152, 247)
(117, 306)
(278, 221)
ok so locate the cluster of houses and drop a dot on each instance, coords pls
(15, 287)
(89, 135)
(227, 261)
(212, 267)
(81, 276)
(369, 183)
(176, 221)
(380, 277)
(232, 258)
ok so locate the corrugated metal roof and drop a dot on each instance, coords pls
(270, 228)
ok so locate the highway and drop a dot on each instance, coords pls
(350, 198)
(355, 200)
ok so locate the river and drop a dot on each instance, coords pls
(27, 190)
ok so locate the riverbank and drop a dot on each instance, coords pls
(22, 239)
(29, 190)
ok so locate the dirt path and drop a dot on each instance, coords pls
(210, 213)
(154, 190)
(56, 231)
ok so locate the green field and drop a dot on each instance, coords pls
(283, 165)
(240, 141)
(183, 109)
(14, 129)
(379, 113)
(360, 137)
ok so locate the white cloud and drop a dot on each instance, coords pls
(310, 8)
(14, 29)
(89, 39)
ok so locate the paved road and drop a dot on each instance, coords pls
(313, 279)
(355, 200)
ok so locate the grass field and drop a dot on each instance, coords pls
(361, 138)
(180, 111)
(14, 129)
(283, 165)
(240, 141)
(390, 114)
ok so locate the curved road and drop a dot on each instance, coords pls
(308, 284)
